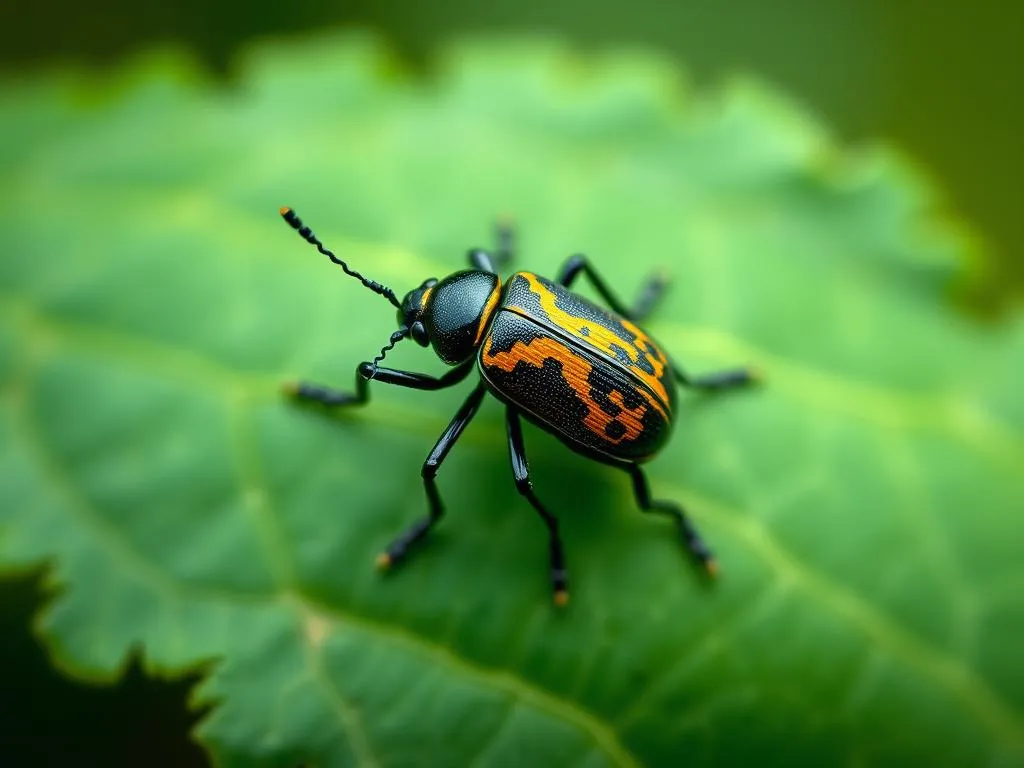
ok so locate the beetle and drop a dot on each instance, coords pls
(588, 375)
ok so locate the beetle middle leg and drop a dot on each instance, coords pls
(399, 547)
(687, 531)
(650, 292)
(521, 472)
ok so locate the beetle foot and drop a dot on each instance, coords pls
(560, 581)
(755, 375)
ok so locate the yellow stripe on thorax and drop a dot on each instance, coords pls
(485, 316)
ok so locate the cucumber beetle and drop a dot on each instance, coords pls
(587, 375)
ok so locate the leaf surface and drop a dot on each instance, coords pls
(865, 504)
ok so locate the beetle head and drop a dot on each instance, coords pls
(410, 314)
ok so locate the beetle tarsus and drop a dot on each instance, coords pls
(399, 548)
(688, 533)
(649, 295)
(315, 393)
(718, 381)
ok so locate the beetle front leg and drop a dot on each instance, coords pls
(495, 261)
(687, 531)
(521, 473)
(365, 372)
(650, 292)
(397, 549)
(506, 235)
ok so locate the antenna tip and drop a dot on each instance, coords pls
(284, 210)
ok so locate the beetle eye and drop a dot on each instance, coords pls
(419, 334)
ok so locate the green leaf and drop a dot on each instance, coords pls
(865, 504)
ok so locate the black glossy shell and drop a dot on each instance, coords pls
(456, 313)
(587, 375)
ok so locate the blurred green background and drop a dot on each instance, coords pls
(942, 81)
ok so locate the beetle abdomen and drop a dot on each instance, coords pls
(587, 401)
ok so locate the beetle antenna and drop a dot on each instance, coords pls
(396, 337)
(307, 234)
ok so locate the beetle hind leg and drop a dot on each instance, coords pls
(732, 378)
(521, 472)
(687, 531)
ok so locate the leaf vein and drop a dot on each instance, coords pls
(347, 714)
(931, 663)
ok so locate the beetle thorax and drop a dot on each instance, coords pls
(456, 312)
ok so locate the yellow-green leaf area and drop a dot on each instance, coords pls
(865, 504)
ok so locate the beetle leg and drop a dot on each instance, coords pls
(719, 380)
(316, 393)
(691, 538)
(482, 260)
(398, 548)
(495, 261)
(506, 235)
(521, 472)
(650, 292)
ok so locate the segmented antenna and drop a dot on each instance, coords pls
(396, 337)
(307, 234)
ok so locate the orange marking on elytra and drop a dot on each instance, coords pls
(607, 341)
(575, 371)
(631, 418)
